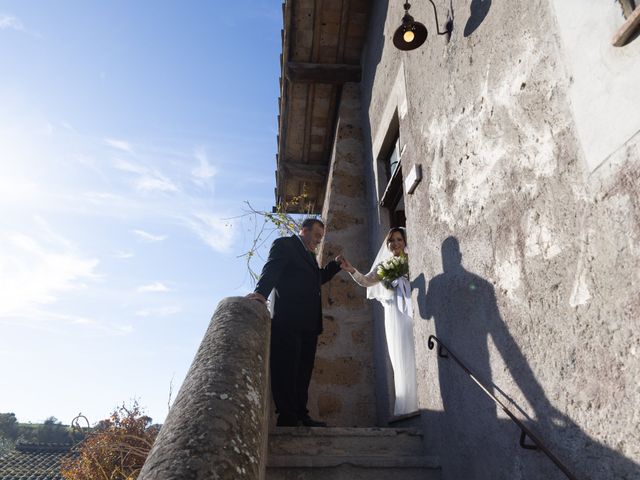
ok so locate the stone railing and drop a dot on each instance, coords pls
(218, 426)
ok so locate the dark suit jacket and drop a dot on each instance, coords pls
(294, 273)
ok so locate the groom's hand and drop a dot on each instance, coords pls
(258, 297)
(344, 264)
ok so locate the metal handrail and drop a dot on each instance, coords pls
(445, 352)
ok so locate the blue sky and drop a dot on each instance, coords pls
(130, 132)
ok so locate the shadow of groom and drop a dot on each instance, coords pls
(476, 442)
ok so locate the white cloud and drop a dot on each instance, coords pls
(67, 126)
(56, 323)
(215, 231)
(124, 329)
(81, 320)
(149, 237)
(119, 144)
(155, 181)
(148, 179)
(9, 22)
(39, 269)
(47, 233)
(153, 287)
(158, 312)
(204, 172)
(15, 188)
(122, 254)
(130, 167)
(106, 203)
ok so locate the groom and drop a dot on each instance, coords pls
(292, 270)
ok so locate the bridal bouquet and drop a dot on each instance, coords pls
(392, 269)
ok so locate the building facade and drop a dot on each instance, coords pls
(510, 150)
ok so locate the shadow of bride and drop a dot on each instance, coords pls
(476, 441)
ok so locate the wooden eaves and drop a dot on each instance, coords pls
(322, 43)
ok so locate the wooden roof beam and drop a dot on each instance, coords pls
(628, 29)
(331, 73)
(304, 171)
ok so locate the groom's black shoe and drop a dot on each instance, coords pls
(310, 422)
(287, 421)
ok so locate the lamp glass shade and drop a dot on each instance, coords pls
(410, 35)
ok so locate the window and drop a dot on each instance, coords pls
(390, 168)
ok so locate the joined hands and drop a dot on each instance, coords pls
(344, 264)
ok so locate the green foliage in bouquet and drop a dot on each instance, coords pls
(392, 269)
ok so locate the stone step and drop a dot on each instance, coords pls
(349, 454)
(336, 467)
(338, 441)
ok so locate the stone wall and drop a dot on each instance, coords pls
(342, 391)
(543, 301)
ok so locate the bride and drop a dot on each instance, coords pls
(398, 319)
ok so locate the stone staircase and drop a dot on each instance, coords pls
(304, 453)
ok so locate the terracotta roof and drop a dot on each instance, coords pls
(30, 461)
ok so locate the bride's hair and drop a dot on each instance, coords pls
(392, 231)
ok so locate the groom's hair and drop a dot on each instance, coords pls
(310, 222)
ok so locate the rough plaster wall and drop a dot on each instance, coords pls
(342, 387)
(545, 303)
(603, 90)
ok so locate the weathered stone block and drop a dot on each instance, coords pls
(217, 427)
(329, 405)
(337, 371)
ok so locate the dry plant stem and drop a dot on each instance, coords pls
(279, 222)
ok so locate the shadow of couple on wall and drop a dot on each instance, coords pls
(474, 441)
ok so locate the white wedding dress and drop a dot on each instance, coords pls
(398, 326)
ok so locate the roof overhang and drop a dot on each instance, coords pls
(322, 43)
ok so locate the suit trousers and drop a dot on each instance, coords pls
(292, 357)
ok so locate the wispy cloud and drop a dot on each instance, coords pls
(119, 144)
(214, 231)
(49, 235)
(87, 323)
(105, 203)
(155, 181)
(57, 323)
(129, 167)
(67, 126)
(148, 179)
(11, 22)
(39, 269)
(121, 254)
(153, 287)
(204, 172)
(17, 188)
(149, 237)
(158, 312)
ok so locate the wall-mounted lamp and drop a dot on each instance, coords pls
(411, 34)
